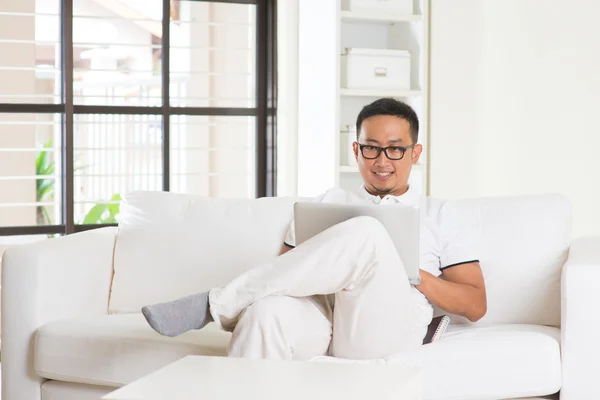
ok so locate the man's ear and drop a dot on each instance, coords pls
(416, 153)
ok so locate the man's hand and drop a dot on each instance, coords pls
(461, 291)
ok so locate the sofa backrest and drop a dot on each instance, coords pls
(170, 245)
(524, 245)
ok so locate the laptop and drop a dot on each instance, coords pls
(401, 222)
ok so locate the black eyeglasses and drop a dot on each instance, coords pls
(391, 152)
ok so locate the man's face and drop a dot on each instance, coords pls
(381, 175)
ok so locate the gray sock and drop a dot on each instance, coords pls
(179, 316)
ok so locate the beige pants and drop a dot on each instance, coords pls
(278, 310)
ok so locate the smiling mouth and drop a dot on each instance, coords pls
(382, 175)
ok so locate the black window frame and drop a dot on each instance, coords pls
(264, 111)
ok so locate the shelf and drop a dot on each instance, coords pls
(348, 169)
(380, 93)
(378, 17)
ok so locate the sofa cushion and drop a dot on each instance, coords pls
(495, 362)
(524, 245)
(171, 245)
(468, 363)
(114, 350)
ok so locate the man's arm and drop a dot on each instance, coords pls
(461, 292)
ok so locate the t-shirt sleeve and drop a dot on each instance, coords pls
(460, 234)
(290, 237)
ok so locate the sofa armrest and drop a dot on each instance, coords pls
(580, 322)
(55, 279)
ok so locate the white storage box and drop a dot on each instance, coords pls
(375, 69)
(395, 6)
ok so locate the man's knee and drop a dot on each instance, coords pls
(367, 225)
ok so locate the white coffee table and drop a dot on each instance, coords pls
(200, 377)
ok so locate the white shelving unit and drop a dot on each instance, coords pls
(378, 17)
(377, 30)
(324, 107)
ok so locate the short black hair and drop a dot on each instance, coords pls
(389, 106)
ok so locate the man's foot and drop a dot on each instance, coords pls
(179, 316)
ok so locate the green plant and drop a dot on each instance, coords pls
(104, 213)
(45, 167)
(45, 184)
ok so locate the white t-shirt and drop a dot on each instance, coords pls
(445, 241)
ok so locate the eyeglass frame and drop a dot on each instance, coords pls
(384, 149)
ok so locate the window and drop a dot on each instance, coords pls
(102, 97)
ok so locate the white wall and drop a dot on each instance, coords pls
(318, 85)
(514, 99)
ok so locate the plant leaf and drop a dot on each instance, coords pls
(44, 166)
(114, 208)
(94, 216)
(46, 215)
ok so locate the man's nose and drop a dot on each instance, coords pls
(382, 159)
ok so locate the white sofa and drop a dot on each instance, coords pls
(71, 327)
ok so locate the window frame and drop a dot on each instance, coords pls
(264, 111)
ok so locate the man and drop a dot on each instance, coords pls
(345, 292)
